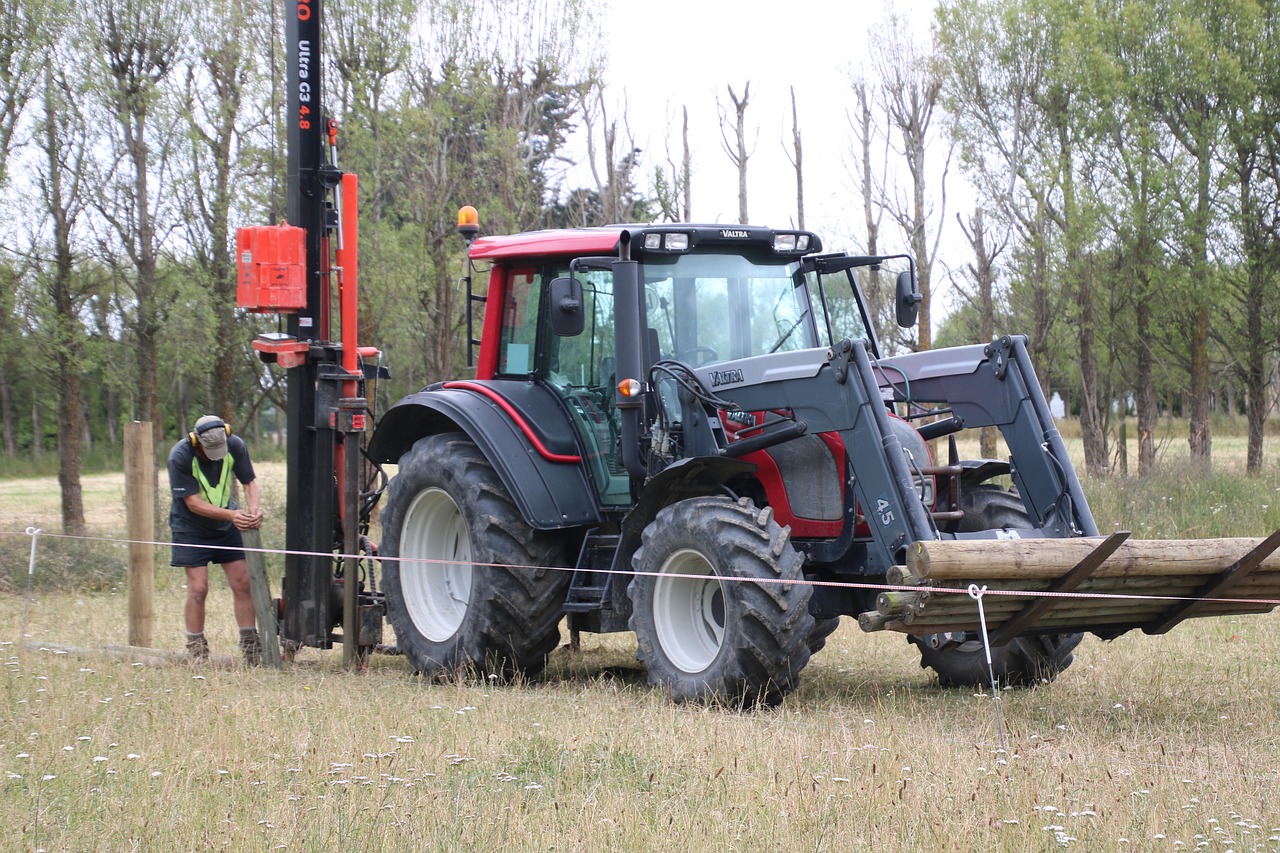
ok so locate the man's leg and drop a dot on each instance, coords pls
(237, 573)
(197, 592)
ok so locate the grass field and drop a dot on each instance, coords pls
(1145, 743)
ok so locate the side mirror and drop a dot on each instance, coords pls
(567, 318)
(908, 299)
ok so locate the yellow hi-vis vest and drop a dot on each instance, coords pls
(220, 496)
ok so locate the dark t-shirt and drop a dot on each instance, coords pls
(182, 482)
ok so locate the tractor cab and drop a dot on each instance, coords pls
(709, 298)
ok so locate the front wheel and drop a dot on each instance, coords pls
(466, 577)
(719, 606)
(960, 661)
(1022, 662)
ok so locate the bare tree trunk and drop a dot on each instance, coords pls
(1201, 433)
(6, 412)
(1256, 416)
(113, 415)
(737, 150)
(797, 161)
(982, 272)
(1096, 458)
(1145, 391)
(881, 305)
(1042, 316)
(910, 88)
(686, 169)
(139, 47)
(63, 147)
(69, 453)
(86, 434)
(37, 440)
(442, 311)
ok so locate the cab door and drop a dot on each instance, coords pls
(580, 369)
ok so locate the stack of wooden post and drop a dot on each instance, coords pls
(1067, 585)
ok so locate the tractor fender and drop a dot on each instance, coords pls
(686, 478)
(548, 485)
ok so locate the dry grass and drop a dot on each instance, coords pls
(34, 501)
(1146, 743)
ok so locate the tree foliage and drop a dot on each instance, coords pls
(1124, 155)
(1128, 147)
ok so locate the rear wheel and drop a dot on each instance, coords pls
(959, 659)
(468, 589)
(712, 623)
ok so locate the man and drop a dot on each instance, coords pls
(206, 525)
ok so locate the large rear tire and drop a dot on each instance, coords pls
(724, 631)
(1023, 661)
(470, 589)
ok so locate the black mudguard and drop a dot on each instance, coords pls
(550, 495)
(686, 478)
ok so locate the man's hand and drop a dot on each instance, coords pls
(247, 519)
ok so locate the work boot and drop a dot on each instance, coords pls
(197, 648)
(251, 645)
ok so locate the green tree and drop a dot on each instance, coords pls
(997, 55)
(63, 286)
(22, 55)
(1197, 75)
(909, 91)
(1132, 176)
(1252, 157)
(137, 45)
(1017, 89)
(221, 74)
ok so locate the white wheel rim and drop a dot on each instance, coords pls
(689, 612)
(435, 565)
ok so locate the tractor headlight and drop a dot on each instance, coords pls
(673, 241)
(791, 242)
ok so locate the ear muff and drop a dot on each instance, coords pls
(195, 436)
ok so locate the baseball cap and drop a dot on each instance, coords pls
(212, 432)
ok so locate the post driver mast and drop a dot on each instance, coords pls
(297, 270)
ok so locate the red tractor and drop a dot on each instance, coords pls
(689, 432)
(699, 421)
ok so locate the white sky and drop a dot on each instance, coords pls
(668, 53)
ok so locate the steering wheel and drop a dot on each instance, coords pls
(688, 356)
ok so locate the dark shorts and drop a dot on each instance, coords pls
(190, 550)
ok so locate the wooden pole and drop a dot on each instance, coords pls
(1043, 559)
(351, 564)
(263, 607)
(140, 515)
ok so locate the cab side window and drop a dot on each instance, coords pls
(586, 360)
(520, 322)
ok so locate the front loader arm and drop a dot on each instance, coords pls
(995, 385)
(844, 390)
(837, 391)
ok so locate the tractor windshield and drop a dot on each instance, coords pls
(843, 307)
(704, 308)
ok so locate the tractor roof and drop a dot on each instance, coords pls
(560, 241)
(603, 240)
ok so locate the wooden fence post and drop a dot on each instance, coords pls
(263, 606)
(140, 515)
